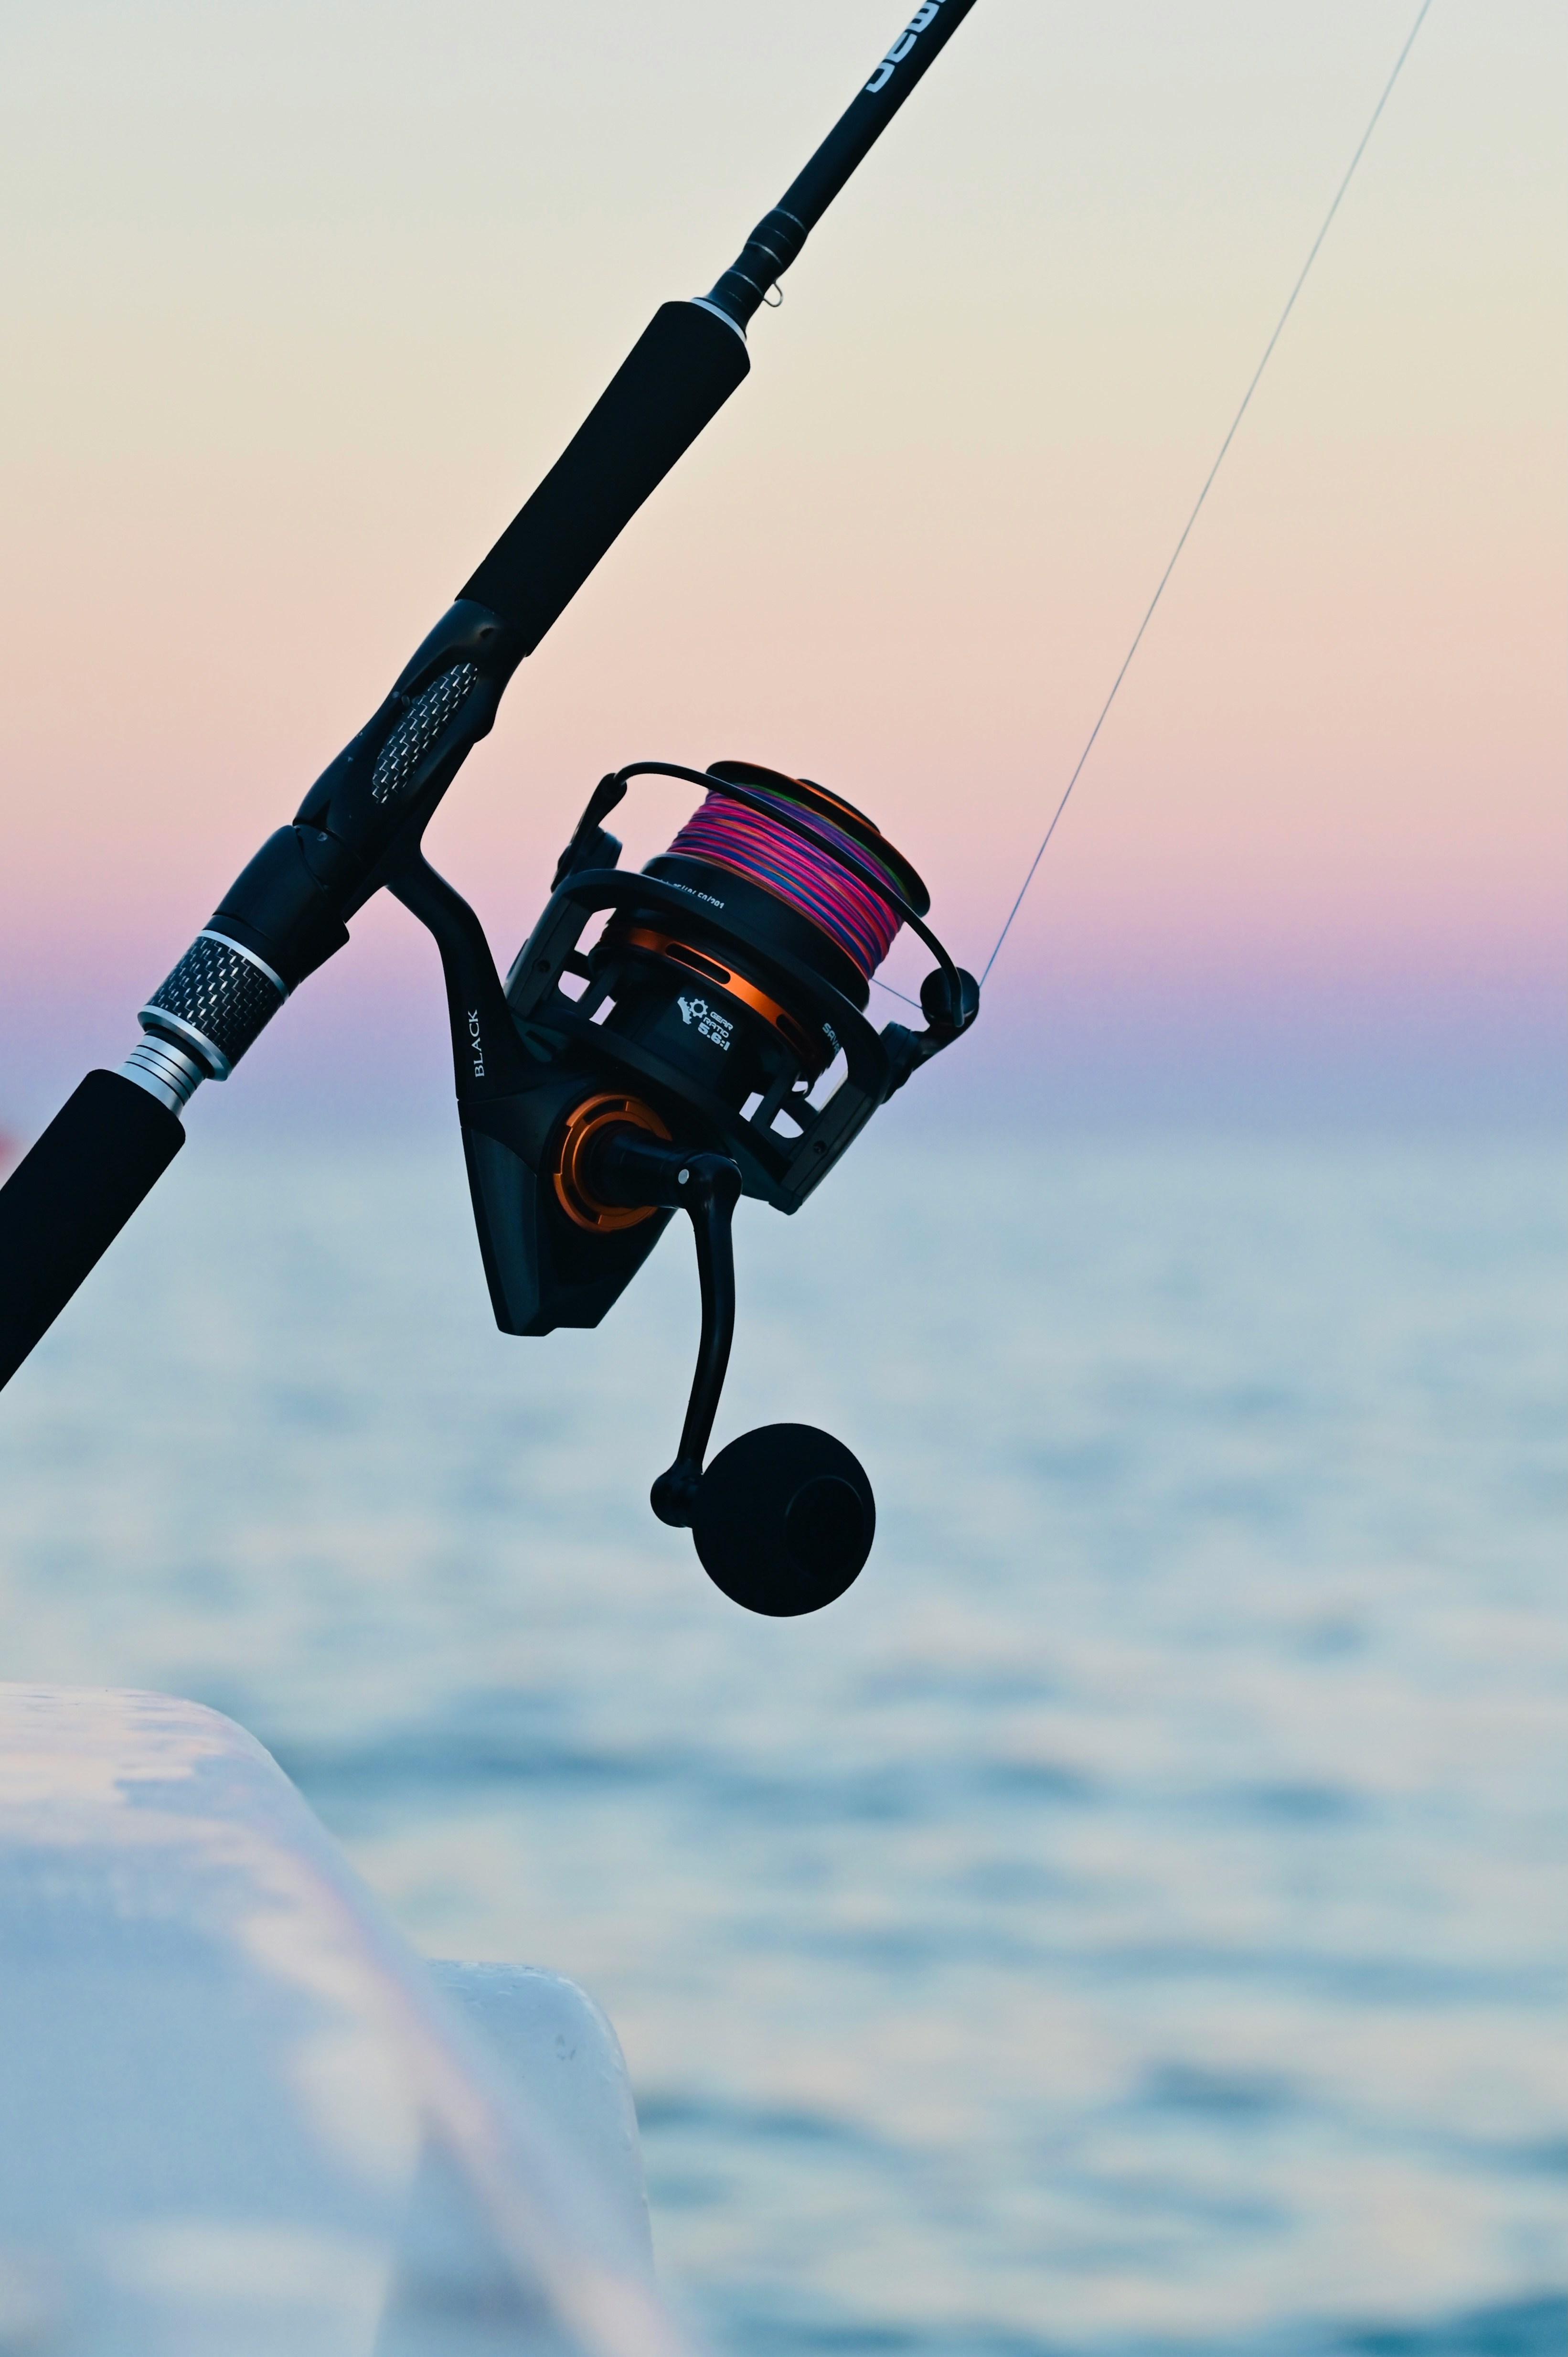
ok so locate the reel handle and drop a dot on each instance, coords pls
(628, 1168)
(784, 1517)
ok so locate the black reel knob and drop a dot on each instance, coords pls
(784, 1520)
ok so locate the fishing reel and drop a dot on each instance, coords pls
(711, 1043)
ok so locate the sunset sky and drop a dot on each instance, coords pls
(301, 302)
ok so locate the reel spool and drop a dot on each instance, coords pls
(678, 1064)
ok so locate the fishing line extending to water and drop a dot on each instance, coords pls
(1208, 481)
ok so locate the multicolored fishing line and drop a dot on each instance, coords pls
(729, 834)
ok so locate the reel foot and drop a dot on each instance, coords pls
(784, 1520)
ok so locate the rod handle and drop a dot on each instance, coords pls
(678, 376)
(67, 1201)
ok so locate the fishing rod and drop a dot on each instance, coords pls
(680, 1061)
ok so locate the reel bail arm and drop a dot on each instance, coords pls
(950, 1001)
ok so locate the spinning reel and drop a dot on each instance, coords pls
(680, 1062)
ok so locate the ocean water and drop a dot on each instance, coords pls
(1133, 1917)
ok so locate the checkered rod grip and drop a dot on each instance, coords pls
(217, 1002)
(403, 753)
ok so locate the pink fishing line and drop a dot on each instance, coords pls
(730, 834)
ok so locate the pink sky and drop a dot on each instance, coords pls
(289, 346)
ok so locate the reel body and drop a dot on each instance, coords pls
(679, 1063)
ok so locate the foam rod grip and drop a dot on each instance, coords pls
(678, 375)
(65, 1201)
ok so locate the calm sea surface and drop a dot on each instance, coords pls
(1134, 1917)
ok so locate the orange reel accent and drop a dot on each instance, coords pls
(701, 961)
(583, 1123)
